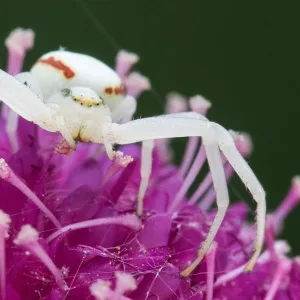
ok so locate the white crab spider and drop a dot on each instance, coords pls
(83, 99)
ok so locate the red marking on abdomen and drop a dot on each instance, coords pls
(57, 64)
(108, 90)
(119, 90)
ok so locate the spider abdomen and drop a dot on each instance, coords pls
(62, 69)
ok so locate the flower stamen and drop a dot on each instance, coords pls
(18, 42)
(281, 248)
(28, 238)
(283, 267)
(130, 221)
(200, 105)
(193, 172)
(124, 62)
(275, 220)
(4, 227)
(291, 200)
(136, 84)
(176, 103)
(124, 283)
(210, 268)
(101, 290)
(120, 161)
(7, 174)
(11, 126)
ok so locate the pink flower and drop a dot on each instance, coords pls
(68, 228)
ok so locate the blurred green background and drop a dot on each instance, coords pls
(241, 55)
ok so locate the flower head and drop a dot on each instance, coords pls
(68, 228)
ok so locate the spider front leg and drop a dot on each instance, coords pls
(222, 198)
(246, 174)
(12, 117)
(215, 137)
(26, 101)
(28, 80)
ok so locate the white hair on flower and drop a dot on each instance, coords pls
(84, 99)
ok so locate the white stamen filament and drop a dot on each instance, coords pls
(28, 238)
(4, 227)
(130, 221)
(7, 174)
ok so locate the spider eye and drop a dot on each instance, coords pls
(66, 92)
